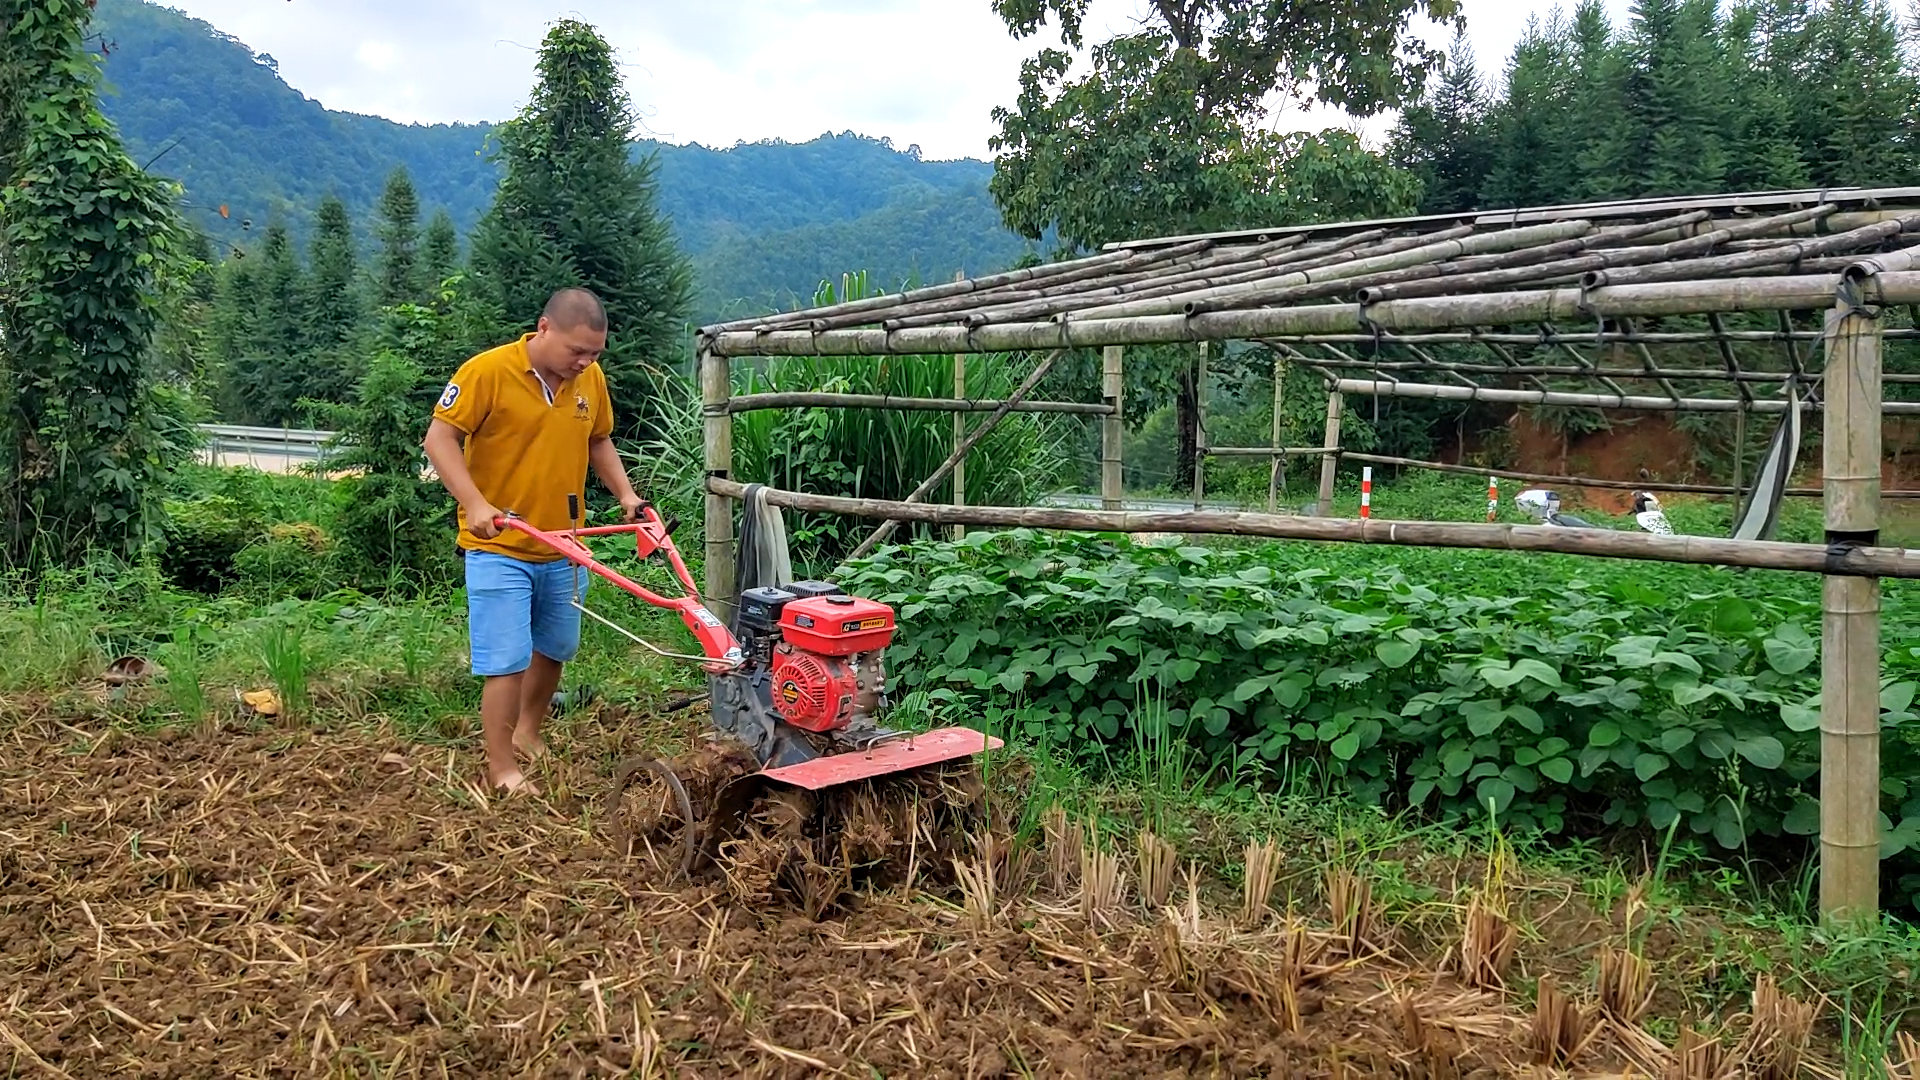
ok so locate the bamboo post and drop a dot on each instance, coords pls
(715, 387)
(1279, 434)
(1200, 431)
(1112, 428)
(959, 436)
(1332, 461)
(1850, 623)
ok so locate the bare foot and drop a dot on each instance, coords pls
(514, 783)
(531, 745)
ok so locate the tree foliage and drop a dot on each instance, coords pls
(574, 208)
(1686, 97)
(1163, 133)
(85, 239)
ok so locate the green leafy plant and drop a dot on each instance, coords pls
(1575, 704)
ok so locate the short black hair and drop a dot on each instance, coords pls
(571, 307)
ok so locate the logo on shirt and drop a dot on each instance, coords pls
(580, 411)
(448, 396)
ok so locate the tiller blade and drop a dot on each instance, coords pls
(893, 756)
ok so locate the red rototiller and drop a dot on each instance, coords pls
(798, 680)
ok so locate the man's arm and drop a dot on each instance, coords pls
(443, 450)
(613, 473)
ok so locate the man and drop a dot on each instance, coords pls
(533, 414)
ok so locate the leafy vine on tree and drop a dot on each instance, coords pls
(85, 237)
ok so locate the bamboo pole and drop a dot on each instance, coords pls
(1112, 427)
(1478, 243)
(1270, 451)
(960, 452)
(1092, 290)
(802, 399)
(1279, 463)
(1792, 292)
(1200, 431)
(1329, 462)
(959, 436)
(1604, 543)
(1584, 400)
(717, 447)
(1850, 623)
(1576, 481)
(1142, 286)
(1692, 269)
(932, 292)
(1581, 264)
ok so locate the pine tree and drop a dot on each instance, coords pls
(440, 254)
(267, 371)
(1442, 139)
(1531, 156)
(1864, 104)
(1603, 127)
(574, 208)
(1675, 95)
(335, 311)
(398, 278)
(1764, 40)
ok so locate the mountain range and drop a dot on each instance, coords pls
(764, 223)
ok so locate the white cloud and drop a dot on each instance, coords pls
(715, 71)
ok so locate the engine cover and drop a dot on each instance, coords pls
(814, 692)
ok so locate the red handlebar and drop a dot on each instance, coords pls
(650, 535)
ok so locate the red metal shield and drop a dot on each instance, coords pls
(944, 744)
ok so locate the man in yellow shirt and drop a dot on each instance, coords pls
(533, 414)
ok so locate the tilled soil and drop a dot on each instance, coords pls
(268, 903)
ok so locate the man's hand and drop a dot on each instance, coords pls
(480, 517)
(630, 505)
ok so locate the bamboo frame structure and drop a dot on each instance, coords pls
(1717, 304)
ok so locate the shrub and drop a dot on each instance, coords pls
(201, 538)
(293, 560)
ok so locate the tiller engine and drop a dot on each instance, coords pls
(799, 681)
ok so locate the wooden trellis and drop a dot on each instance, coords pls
(1732, 304)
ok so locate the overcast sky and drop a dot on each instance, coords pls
(709, 71)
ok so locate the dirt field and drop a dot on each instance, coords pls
(270, 903)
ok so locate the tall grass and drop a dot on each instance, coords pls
(862, 453)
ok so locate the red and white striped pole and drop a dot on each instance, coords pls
(1493, 496)
(1366, 491)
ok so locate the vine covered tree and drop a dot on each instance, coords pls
(575, 208)
(86, 238)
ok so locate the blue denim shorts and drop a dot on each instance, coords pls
(516, 608)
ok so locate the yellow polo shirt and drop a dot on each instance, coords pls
(526, 444)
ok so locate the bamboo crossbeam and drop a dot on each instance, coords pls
(1478, 243)
(1794, 292)
(1694, 269)
(1587, 481)
(1598, 260)
(1648, 403)
(1861, 561)
(1587, 337)
(1140, 265)
(801, 399)
(1565, 370)
(1106, 291)
(952, 288)
(1538, 264)
(1270, 451)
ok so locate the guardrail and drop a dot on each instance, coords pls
(227, 442)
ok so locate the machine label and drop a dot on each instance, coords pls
(705, 616)
(803, 620)
(874, 623)
(790, 690)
